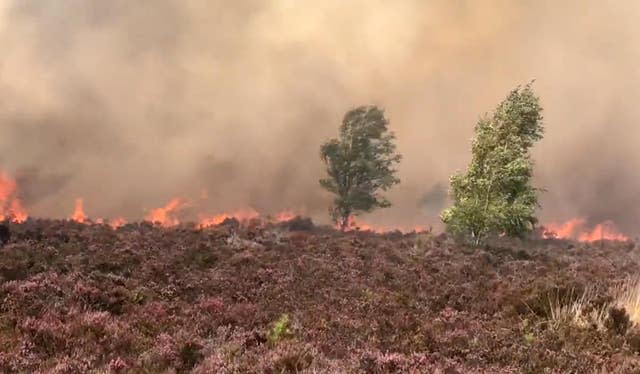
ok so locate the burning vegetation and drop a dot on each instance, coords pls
(247, 292)
(493, 198)
(169, 216)
(10, 205)
(163, 204)
(577, 229)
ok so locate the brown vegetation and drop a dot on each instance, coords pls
(230, 299)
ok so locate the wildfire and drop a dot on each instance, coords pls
(166, 215)
(285, 216)
(242, 216)
(10, 205)
(117, 222)
(603, 231)
(574, 229)
(11, 208)
(78, 213)
(81, 217)
(563, 231)
(359, 226)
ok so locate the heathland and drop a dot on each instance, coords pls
(292, 297)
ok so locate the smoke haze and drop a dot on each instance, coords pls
(131, 103)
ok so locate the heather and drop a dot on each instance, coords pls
(292, 297)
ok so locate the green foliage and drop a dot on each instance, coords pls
(280, 330)
(360, 164)
(495, 195)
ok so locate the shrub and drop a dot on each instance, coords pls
(618, 321)
(280, 330)
(190, 355)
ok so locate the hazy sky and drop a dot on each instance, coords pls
(130, 103)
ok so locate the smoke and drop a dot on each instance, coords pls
(434, 200)
(128, 104)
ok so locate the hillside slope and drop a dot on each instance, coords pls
(85, 298)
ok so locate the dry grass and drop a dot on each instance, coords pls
(627, 296)
(577, 309)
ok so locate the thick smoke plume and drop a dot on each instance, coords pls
(128, 104)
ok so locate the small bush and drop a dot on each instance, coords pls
(288, 358)
(280, 330)
(618, 321)
(190, 355)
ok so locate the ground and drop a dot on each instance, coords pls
(82, 298)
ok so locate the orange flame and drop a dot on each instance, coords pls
(114, 223)
(10, 205)
(165, 215)
(359, 226)
(117, 222)
(242, 216)
(285, 216)
(574, 229)
(16, 211)
(78, 213)
(603, 231)
(565, 230)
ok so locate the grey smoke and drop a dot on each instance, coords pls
(130, 103)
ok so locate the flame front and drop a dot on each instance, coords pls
(242, 216)
(565, 230)
(78, 213)
(245, 215)
(359, 226)
(574, 229)
(603, 231)
(117, 222)
(10, 205)
(165, 216)
(285, 216)
(11, 208)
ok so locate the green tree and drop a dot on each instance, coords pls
(495, 195)
(360, 164)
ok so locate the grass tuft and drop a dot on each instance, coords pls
(627, 297)
(577, 309)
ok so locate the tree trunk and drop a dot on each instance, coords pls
(344, 222)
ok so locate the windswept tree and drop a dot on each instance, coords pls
(361, 163)
(495, 195)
